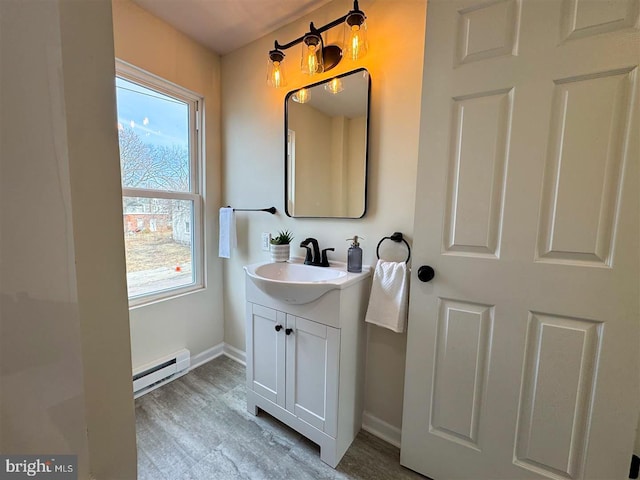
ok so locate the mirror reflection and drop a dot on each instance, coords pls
(326, 157)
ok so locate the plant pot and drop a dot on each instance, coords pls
(280, 253)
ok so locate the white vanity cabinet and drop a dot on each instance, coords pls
(305, 364)
(295, 365)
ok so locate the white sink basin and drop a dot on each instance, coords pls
(297, 273)
(295, 283)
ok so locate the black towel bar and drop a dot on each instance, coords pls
(396, 237)
(271, 210)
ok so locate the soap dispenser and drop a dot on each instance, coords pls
(354, 256)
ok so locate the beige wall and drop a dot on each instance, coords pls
(66, 369)
(355, 165)
(311, 179)
(193, 321)
(329, 163)
(253, 151)
(337, 166)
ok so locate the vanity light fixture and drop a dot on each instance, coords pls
(301, 96)
(317, 57)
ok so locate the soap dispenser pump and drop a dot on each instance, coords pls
(354, 256)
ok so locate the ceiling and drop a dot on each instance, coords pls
(225, 25)
(353, 105)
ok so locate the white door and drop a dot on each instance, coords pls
(313, 352)
(522, 356)
(266, 352)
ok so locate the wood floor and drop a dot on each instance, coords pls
(197, 427)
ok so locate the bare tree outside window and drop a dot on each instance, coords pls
(155, 167)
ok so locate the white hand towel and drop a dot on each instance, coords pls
(389, 296)
(228, 240)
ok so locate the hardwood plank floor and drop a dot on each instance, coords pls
(197, 427)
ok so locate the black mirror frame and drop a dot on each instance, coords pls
(366, 159)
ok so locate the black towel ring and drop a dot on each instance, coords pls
(396, 237)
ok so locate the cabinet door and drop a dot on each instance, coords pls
(266, 355)
(313, 353)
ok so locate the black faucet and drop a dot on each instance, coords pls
(311, 259)
(314, 258)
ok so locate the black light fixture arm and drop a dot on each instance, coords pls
(318, 31)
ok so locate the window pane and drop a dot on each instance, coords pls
(159, 244)
(154, 138)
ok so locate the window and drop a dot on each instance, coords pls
(160, 165)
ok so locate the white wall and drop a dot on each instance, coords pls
(253, 152)
(193, 321)
(66, 368)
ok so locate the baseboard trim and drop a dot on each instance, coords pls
(199, 360)
(235, 354)
(381, 429)
(222, 348)
(206, 356)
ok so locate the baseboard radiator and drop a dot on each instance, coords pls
(163, 370)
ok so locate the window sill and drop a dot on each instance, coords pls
(147, 300)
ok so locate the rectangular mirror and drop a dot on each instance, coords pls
(327, 129)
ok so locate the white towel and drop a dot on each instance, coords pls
(228, 240)
(389, 296)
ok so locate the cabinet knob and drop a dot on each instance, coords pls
(288, 331)
(278, 328)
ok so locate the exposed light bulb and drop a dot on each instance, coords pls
(334, 86)
(312, 64)
(355, 36)
(355, 42)
(311, 61)
(277, 75)
(275, 69)
(302, 96)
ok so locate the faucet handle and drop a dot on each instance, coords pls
(325, 260)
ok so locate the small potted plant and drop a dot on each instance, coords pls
(280, 246)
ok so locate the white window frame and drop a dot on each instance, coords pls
(196, 154)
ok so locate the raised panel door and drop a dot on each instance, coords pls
(266, 353)
(312, 373)
(522, 352)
